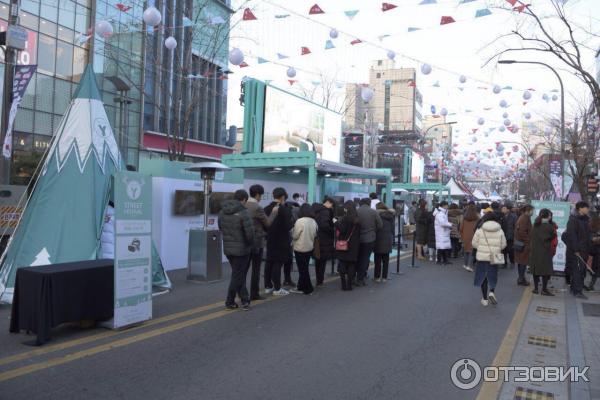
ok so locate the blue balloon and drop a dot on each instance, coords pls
(433, 109)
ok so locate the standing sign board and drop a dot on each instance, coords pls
(133, 248)
(560, 215)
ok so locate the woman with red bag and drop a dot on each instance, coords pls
(347, 236)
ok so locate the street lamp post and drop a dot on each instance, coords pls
(562, 115)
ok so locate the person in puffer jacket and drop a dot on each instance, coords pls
(442, 233)
(237, 229)
(488, 240)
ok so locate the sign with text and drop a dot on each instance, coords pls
(560, 215)
(133, 248)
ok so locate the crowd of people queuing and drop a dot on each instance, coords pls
(494, 236)
(291, 230)
(487, 236)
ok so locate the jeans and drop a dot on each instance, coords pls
(320, 266)
(256, 261)
(468, 260)
(455, 247)
(364, 257)
(304, 283)
(521, 268)
(379, 260)
(237, 283)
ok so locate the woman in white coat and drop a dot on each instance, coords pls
(442, 233)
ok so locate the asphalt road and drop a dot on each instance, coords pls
(396, 340)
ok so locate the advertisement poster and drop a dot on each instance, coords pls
(133, 248)
(417, 168)
(556, 175)
(560, 215)
(353, 149)
(292, 122)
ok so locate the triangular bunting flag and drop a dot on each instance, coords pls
(248, 15)
(483, 12)
(316, 10)
(465, 1)
(351, 13)
(413, 29)
(355, 41)
(281, 16)
(122, 7)
(446, 20)
(187, 22)
(329, 45)
(281, 56)
(316, 83)
(382, 37)
(423, 2)
(304, 50)
(387, 6)
(244, 64)
(291, 81)
(412, 84)
(512, 2)
(262, 60)
(521, 8)
(507, 88)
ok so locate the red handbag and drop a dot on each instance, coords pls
(342, 245)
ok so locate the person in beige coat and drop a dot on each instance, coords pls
(303, 238)
(488, 240)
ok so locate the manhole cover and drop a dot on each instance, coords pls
(546, 310)
(591, 309)
(531, 394)
(544, 341)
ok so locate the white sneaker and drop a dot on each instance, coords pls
(492, 298)
(294, 290)
(378, 280)
(468, 268)
(280, 292)
(385, 280)
(268, 290)
(484, 302)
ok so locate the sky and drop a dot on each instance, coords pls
(452, 50)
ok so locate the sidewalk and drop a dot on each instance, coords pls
(558, 331)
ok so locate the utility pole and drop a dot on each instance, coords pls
(10, 60)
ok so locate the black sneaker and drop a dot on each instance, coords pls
(246, 306)
(535, 291)
(581, 296)
(546, 292)
(257, 298)
(231, 307)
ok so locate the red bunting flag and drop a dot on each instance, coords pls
(244, 64)
(412, 84)
(475, 129)
(304, 50)
(316, 10)
(521, 8)
(355, 41)
(512, 2)
(248, 15)
(387, 6)
(447, 20)
(122, 7)
(291, 81)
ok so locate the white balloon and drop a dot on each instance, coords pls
(333, 33)
(481, 121)
(104, 29)
(554, 97)
(391, 54)
(503, 103)
(366, 93)
(507, 122)
(236, 57)
(505, 115)
(527, 116)
(545, 97)
(170, 43)
(526, 95)
(291, 72)
(462, 79)
(443, 112)
(152, 16)
(497, 89)
(426, 69)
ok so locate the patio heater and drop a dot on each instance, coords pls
(205, 246)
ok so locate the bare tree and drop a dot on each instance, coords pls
(326, 91)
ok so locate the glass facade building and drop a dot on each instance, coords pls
(138, 58)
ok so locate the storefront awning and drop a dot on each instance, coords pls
(350, 171)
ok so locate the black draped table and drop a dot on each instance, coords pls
(49, 295)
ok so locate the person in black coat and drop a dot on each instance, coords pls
(384, 242)
(348, 228)
(431, 234)
(422, 221)
(279, 241)
(579, 246)
(324, 217)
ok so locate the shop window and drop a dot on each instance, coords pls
(29, 97)
(66, 13)
(49, 9)
(47, 27)
(43, 123)
(30, 6)
(82, 18)
(79, 62)
(65, 34)
(28, 21)
(22, 141)
(64, 60)
(62, 96)
(23, 166)
(44, 98)
(24, 120)
(4, 11)
(46, 54)
(41, 143)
